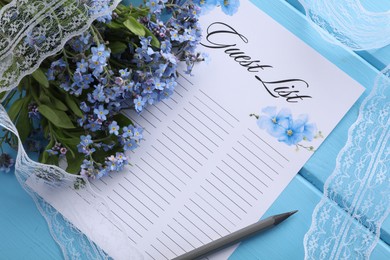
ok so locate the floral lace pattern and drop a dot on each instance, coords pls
(348, 23)
(30, 31)
(346, 223)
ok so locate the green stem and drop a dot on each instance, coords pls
(309, 148)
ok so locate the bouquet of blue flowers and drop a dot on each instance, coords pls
(71, 109)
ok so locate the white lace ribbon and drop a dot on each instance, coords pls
(31, 31)
(346, 223)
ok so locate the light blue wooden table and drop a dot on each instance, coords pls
(25, 235)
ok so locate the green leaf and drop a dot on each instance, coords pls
(15, 108)
(39, 76)
(44, 98)
(74, 164)
(53, 160)
(154, 42)
(45, 155)
(134, 26)
(23, 122)
(74, 141)
(48, 98)
(57, 117)
(58, 104)
(117, 47)
(122, 120)
(73, 106)
(114, 25)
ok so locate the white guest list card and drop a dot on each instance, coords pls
(206, 168)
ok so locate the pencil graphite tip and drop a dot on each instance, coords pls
(281, 217)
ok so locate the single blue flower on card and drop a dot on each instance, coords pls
(273, 122)
(309, 129)
(229, 7)
(293, 132)
(286, 129)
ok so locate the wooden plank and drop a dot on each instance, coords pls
(322, 164)
(285, 241)
(24, 234)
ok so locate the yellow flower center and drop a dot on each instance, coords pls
(289, 132)
(274, 120)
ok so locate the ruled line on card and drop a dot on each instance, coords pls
(226, 196)
(127, 225)
(154, 202)
(162, 176)
(173, 174)
(150, 188)
(150, 255)
(261, 160)
(163, 155)
(174, 230)
(159, 251)
(178, 93)
(161, 242)
(185, 130)
(186, 79)
(215, 102)
(181, 148)
(159, 109)
(127, 215)
(208, 214)
(213, 207)
(220, 202)
(248, 171)
(202, 220)
(186, 229)
(146, 120)
(179, 157)
(202, 123)
(196, 226)
(211, 120)
(215, 113)
(156, 182)
(269, 156)
(147, 110)
(268, 145)
(162, 101)
(136, 209)
(211, 141)
(249, 182)
(181, 85)
(189, 144)
(254, 165)
(139, 201)
(174, 241)
(227, 186)
(237, 183)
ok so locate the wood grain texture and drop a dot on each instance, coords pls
(322, 164)
(285, 241)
